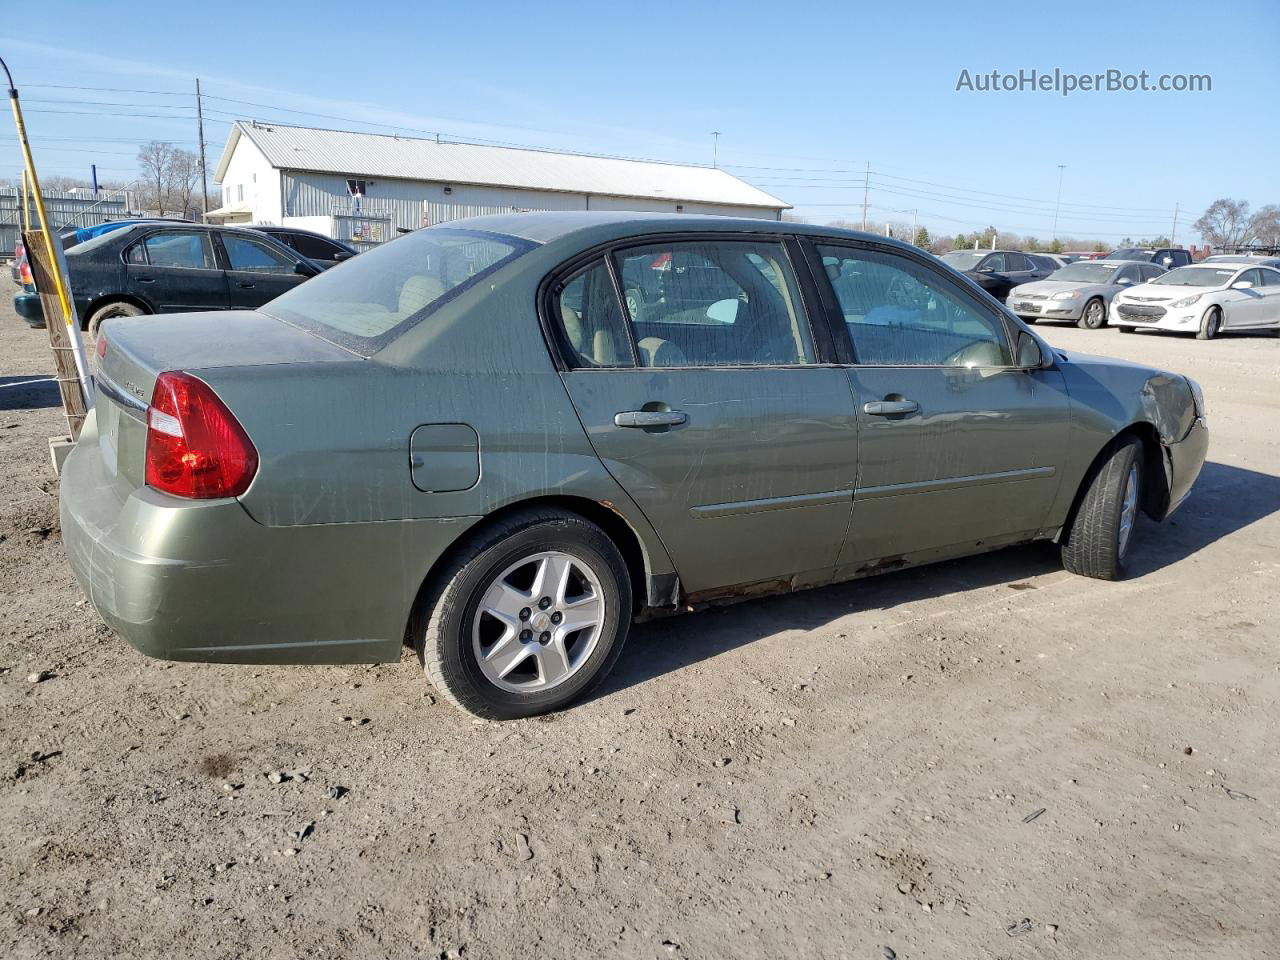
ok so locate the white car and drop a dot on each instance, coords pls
(1205, 299)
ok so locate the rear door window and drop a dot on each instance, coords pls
(176, 248)
(714, 304)
(591, 319)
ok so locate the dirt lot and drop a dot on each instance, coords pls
(828, 774)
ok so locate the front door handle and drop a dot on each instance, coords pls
(650, 418)
(246, 285)
(146, 279)
(890, 408)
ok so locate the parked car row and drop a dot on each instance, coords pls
(130, 268)
(1080, 292)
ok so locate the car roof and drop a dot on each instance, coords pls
(546, 227)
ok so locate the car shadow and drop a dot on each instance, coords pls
(30, 392)
(1224, 500)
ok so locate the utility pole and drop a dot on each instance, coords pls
(1061, 167)
(1174, 232)
(715, 148)
(204, 175)
(914, 217)
(866, 187)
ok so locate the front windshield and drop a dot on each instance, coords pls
(366, 302)
(1197, 276)
(1086, 272)
(963, 259)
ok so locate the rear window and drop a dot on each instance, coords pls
(378, 296)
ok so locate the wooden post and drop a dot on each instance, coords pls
(64, 361)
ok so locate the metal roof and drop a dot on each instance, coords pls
(377, 155)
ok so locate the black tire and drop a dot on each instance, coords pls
(1029, 321)
(1210, 324)
(1093, 545)
(1098, 320)
(1127, 329)
(119, 308)
(447, 610)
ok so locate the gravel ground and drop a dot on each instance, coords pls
(840, 773)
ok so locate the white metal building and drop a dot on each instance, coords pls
(366, 187)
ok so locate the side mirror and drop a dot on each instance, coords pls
(986, 269)
(1030, 356)
(305, 269)
(339, 257)
(1124, 281)
(724, 311)
(1242, 285)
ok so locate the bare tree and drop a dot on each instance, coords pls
(154, 161)
(170, 178)
(1228, 223)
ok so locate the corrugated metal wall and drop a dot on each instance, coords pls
(63, 209)
(405, 201)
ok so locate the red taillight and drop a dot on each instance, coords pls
(24, 272)
(102, 346)
(195, 447)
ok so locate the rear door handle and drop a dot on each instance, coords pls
(245, 285)
(146, 279)
(650, 418)
(890, 408)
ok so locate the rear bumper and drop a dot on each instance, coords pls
(187, 580)
(1185, 458)
(27, 306)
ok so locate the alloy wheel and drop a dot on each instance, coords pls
(538, 622)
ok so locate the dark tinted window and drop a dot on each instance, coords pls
(899, 313)
(995, 262)
(1270, 278)
(1016, 261)
(591, 318)
(714, 304)
(179, 248)
(317, 248)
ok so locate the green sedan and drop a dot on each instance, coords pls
(501, 440)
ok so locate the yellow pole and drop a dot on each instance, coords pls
(64, 297)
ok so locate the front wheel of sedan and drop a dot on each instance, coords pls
(1094, 316)
(532, 615)
(1210, 324)
(1101, 533)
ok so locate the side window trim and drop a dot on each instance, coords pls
(835, 317)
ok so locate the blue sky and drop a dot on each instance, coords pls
(804, 95)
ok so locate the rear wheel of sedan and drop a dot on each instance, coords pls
(1101, 532)
(1094, 315)
(109, 310)
(1210, 324)
(528, 618)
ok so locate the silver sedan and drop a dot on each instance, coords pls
(1080, 291)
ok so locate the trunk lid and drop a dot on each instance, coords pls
(139, 349)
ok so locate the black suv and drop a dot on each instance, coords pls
(1167, 257)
